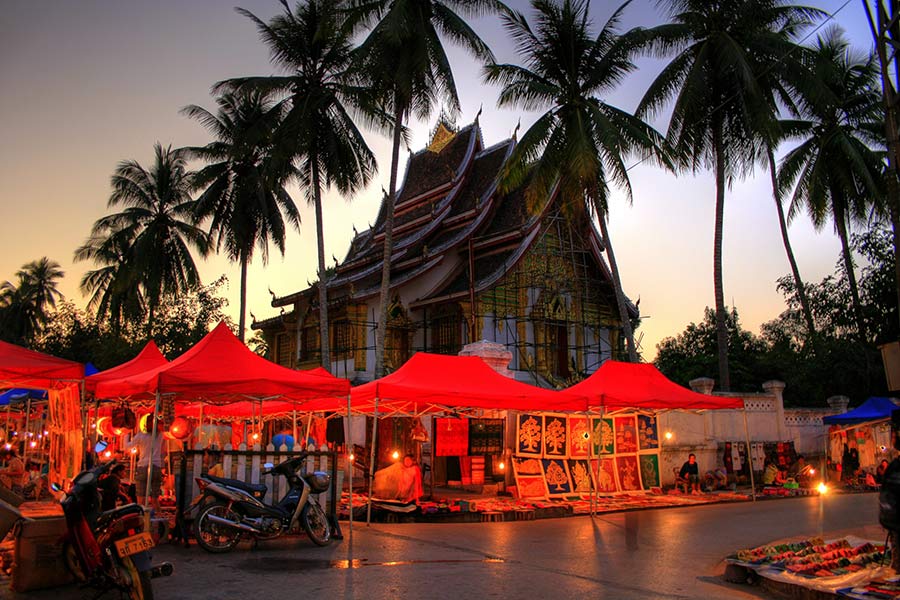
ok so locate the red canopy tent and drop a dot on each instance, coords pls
(641, 385)
(148, 358)
(436, 382)
(20, 367)
(220, 369)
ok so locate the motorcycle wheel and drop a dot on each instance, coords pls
(140, 588)
(316, 524)
(213, 537)
(72, 563)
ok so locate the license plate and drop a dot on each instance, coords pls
(134, 544)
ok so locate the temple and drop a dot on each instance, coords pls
(468, 264)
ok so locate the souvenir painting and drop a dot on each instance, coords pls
(581, 476)
(605, 475)
(555, 437)
(556, 474)
(626, 435)
(528, 466)
(529, 435)
(531, 486)
(627, 473)
(649, 470)
(603, 438)
(648, 434)
(579, 437)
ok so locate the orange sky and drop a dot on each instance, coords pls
(88, 84)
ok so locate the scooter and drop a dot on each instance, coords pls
(229, 510)
(110, 550)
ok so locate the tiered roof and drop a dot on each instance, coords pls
(448, 203)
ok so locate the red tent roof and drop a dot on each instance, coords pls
(641, 385)
(20, 367)
(435, 380)
(219, 368)
(148, 358)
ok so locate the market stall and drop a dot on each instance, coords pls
(626, 436)
(859, 439)
(23, 368)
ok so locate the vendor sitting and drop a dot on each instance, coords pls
(716, 479)
(690, 474)
(772, 475)
(13, 475)
(400, 481)
(801, 471)
(411, 480)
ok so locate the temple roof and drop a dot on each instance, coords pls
(448, 203)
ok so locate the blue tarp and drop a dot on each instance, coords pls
(873, 409)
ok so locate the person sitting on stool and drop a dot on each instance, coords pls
(690, 473)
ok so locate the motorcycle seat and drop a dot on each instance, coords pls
(117, 513)
(250, 487)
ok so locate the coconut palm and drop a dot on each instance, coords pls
(835, 171)
(721, 108)
(312, 44)
(404, 61)
(580, 141)
(244, 195)
(24, 305)
(113, 287)
(155, 232)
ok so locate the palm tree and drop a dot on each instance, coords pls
(25, 303)
(113, 288)
(244, 193)
(154, 233)
(835, 172)
(721, 107)
(404, 61)
(313, 45)
(581, 141)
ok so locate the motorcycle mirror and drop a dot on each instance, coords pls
(101, 446)
(55, 487)
(268, 466)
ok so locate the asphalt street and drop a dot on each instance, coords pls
(666, 554)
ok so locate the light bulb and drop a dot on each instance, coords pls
(395, 455)
(823, 489)
(33, 444)
(502, 465)
(668, 435)
(352, 457)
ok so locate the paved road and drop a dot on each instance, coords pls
(667, 554)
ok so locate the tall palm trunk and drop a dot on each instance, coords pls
(620, 295)
(320, 243)
(798, 282)
(883, 35)
(721, 324)
(840, 222)
(242, 320)
(381, 332)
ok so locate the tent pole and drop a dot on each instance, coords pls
(749, 456)
(591, 459)
(308, 428)
(27, 425)
(348, 449)
(8, 409)
(200, 428)
(372, 463)
(152, 446)
(294, 425)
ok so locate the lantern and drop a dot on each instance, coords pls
(145, 423)
(181, 428)
(104, 427)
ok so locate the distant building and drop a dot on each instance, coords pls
(468, 264)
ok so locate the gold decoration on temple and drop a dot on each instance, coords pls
(442, 137)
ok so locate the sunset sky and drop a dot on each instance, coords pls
(86, 84)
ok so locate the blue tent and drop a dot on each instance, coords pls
(17, 395)
(873, 409)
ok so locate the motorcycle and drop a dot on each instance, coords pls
(108, 550)
(229, 510)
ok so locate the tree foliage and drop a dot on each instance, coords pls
(839, 364)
